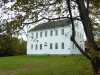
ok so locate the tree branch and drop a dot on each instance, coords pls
(73, 32)
(86, 23)
(75, 18)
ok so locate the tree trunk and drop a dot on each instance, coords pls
(96, 64)
(86, 23)
(95, 61)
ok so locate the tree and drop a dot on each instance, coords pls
(10, 46)
(37, 10)
(6, 46)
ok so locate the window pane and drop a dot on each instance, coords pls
(78, 34)
(40, 46)
(56, 45)
(56, 32)
(36, 46)
(62, 45)
(50, 45)
(73, 45)
(62, 31)
(31, 46)
(32, 36)
(40, 34)
(36, 34)
(51, 33)
(45, 33)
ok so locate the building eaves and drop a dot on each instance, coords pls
(52, 24)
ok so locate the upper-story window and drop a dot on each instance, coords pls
(62, 31)
(45, 33)
(32, 33)
(80, 35)
(32, 36)
(51, 33)
(77, 24)
(36, 34)
(40, 34)
(98, 35)
(77, 34)
(56, 32)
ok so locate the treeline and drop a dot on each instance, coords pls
(10, 46)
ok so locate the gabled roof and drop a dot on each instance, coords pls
(52, 24)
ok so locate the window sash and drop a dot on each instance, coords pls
(50, 45)
(45, 33)
(40, 46)
(56, 45)
(62, 31)
(62, 45)
(36, 46)
(56, 32)
(40, 34)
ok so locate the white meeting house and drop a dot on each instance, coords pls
(54, 38)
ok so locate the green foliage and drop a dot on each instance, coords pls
(10, 46)
(95, 12)
(22, 48)
(98, 41)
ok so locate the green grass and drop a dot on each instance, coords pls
(45, 65)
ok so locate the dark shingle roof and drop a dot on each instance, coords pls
(52, 24)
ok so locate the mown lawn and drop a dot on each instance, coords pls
(45, 65)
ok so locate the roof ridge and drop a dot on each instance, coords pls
(52, 24)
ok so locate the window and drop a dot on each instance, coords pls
(62, 45)
(56, 32)
(80, 35)
(77, 34)
(73, 45)
(98, 35)
(36, 34)
(50, 45)
(36, 46)
(82, 46)
(31, 46)
(62, 31)
(40, 34)
(40, 46)
(56, 45)
(32, 33)
(32, 36)
(45, 44)
(45, 33)
(51, 33)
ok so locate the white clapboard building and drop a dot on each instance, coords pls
(54, 38)
(97, 36)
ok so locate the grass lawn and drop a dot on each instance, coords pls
(45, 65)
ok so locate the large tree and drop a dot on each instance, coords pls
(49, 10)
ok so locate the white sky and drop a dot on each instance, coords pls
(5, 16)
